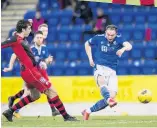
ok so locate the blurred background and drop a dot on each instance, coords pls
(71, 23)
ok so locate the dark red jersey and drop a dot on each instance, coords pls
(21, 49)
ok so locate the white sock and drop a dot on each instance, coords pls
(88, 110)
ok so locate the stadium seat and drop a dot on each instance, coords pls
(149, 67)
(30, 14)
(140, 19)
(122, 71)
(53, 21)
(72, 55)
(138, 35)
(75, 33)
(149, 53)
(70, 71)
(60, 55)
(136, 53)
(135, 67)
(63, 34)
(43, 5)
(65, 21)
(152, 19)
(115, 19)
(127, 19)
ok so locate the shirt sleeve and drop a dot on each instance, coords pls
(9, 42)
(121, 40)
(93, 41)
(46, 53)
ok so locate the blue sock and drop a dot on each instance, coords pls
(101, 104)
(105, 93)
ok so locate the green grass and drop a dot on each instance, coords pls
(95, 121)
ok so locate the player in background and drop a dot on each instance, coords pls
(36, 83)
(44, 29)
(110, 48)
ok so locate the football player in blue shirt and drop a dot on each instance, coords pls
(110, 48)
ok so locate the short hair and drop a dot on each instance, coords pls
(112, 27)
(38, 32)
(22, 24)
(42, 25)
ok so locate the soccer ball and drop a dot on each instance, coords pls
(145, 96)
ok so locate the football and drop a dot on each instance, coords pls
(145, 96)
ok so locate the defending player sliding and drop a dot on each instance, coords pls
(110, 48)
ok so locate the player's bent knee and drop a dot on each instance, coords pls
(35, 94)
(113, 94)
(101, 80)
(51, 93)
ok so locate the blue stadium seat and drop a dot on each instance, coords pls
(125, 55)
(92, 4)
(87, 28)
(140, 26)
(43, 5)
(122, 71)
(154, 33)
(55, 14)
(128, 8)
(60, 55)
(149, 52)
(55, 71)
(135, 67)
(152, 19)
(136, 53)
(72, 55)
(84, 68)
(70, 71)
(127, 19)
(140, 19)
(75, 33)
(138, 35)
(30, 14)
(103, 5)
(115, 19)
(152, 26)
(153, 10)
(65, 21)
(127, 34)
(66, 13)
(54, 5)
(63, 33)
(149, 67)
(53, 21)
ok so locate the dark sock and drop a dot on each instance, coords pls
(59, 105)
(23, 102)
(18, 95)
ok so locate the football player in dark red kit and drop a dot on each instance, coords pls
(35, 81)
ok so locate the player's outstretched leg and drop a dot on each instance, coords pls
(101, 104)
(106, 94)
(11, 99)
(55, 101)
(23, 102)
(55, 112)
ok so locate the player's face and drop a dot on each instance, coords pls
(27, 31)
(38, 39)
(110, 35)
(44, 31)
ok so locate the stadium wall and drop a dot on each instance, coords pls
(83, 88)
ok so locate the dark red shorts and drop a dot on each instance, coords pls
(35, 79)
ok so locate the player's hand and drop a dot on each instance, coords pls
(50, 59)
(43, 65)
(7, 69)
(120, 52)
(91, 62)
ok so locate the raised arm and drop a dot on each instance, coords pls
(89, 53)
(11, 63)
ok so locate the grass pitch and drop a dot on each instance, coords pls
(94, 121)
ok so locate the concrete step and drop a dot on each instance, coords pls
(23, 1)
(5, 24)
(12, 18)
(13, 13)
(21, 7)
